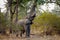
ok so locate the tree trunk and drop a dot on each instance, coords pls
(0, 10)
(16, 11)
(11, 14)
(33, 11)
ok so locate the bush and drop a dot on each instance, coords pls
(6, 24)
(48, 22)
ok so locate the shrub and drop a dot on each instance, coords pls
(47, 22)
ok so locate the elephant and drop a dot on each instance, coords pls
(25, 24)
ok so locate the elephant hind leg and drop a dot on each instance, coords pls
(22, 32)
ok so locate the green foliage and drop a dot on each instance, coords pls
(40, 1)
(21, 2)
(47, 22)
(2, 21)
(7, 24)
(15, 27)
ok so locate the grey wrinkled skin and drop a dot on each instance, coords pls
(25, 24)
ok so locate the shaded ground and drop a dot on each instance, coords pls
(33, 37)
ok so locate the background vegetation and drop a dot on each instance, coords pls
(45, 22)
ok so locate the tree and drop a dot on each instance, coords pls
(13, 6)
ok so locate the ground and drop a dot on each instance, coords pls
(33, 37)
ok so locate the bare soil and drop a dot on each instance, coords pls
(32, 37)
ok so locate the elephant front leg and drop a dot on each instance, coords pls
(28, 30)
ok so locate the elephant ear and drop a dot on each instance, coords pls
(27, 21)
